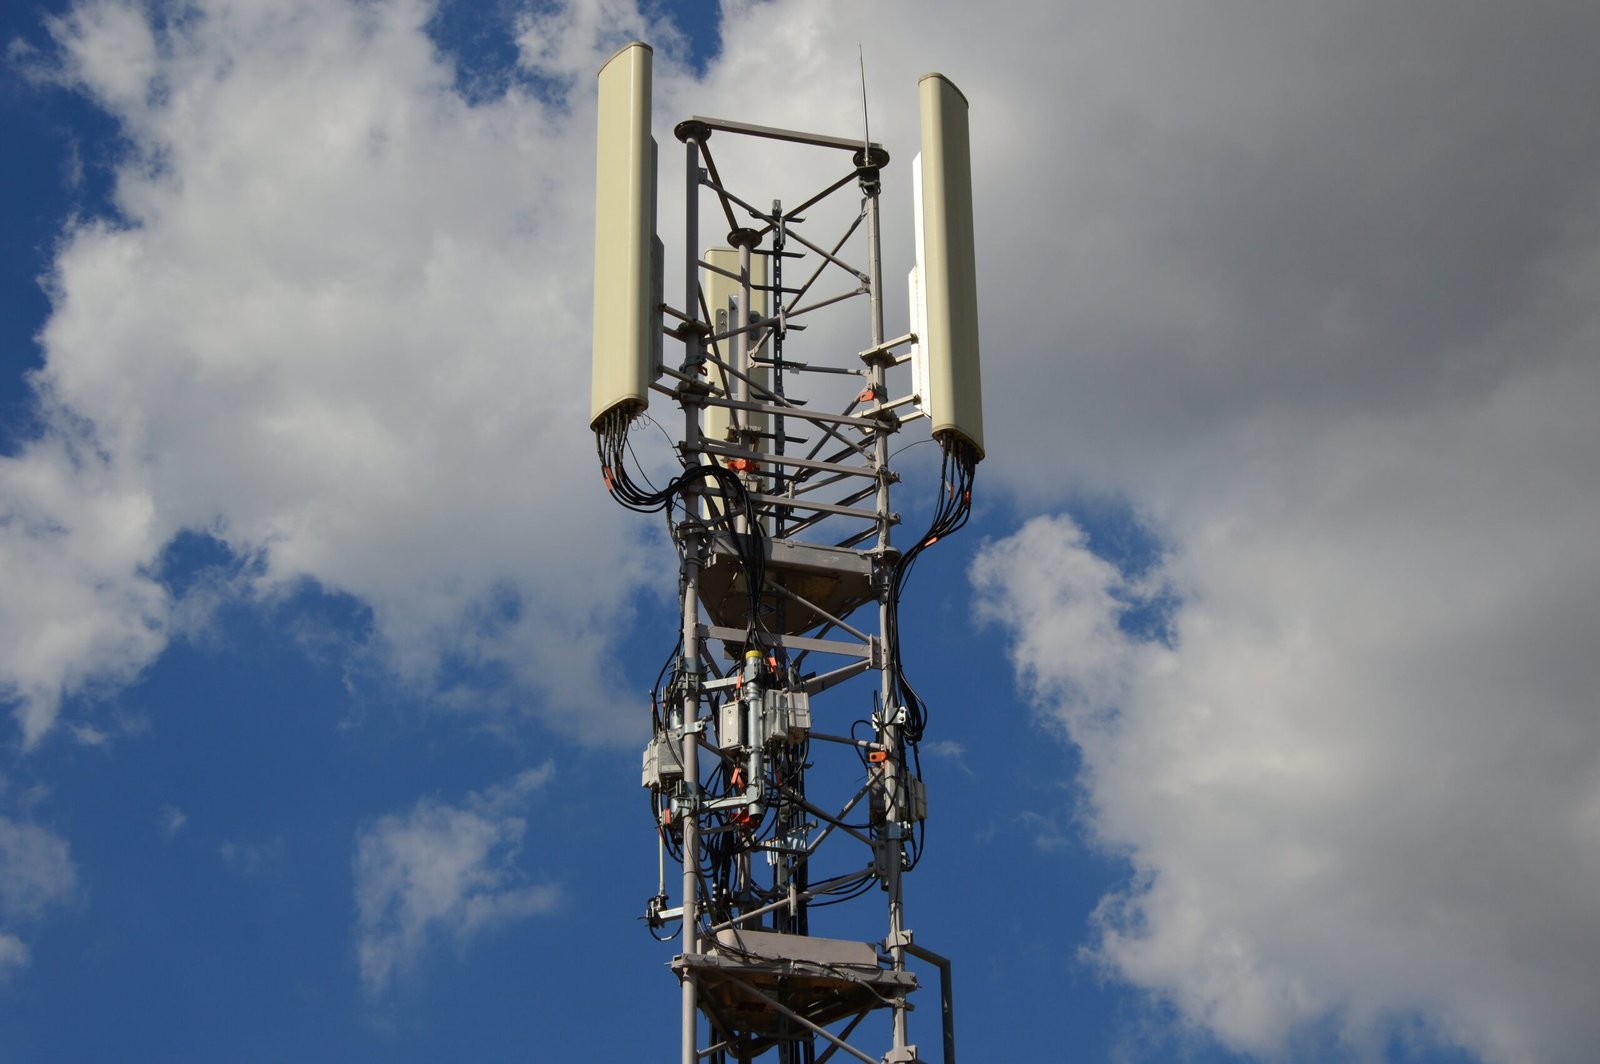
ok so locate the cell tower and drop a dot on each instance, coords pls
(783, 815)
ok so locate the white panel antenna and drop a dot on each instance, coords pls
(627, 321)
(947, 264)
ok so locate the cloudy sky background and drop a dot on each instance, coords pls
(322, 645)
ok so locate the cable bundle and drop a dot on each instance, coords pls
(955, 506)
(731, 509)
(956, 474)
(715, 481)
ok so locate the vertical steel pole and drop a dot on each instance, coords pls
(690, 814)
(741, 342)
(875, 254)
(800, 1048)
(741, 362)
(893, 799)
(691, 255)
(775, 350)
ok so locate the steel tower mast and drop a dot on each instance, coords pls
(776, 807)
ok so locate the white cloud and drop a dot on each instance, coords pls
(78, 609)
(951, 751)
(1047, 834)
(564, 40)
(442, 872)
(1320, 312)
(1362, 781)
(36, 875)
(340, 324)
(36, 870)
(14, 954)
(171, 820)
(252, 860)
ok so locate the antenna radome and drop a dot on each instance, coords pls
(626, 280)
(947, 267)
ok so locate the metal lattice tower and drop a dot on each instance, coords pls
(781, 813)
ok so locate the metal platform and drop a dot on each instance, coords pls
(761, 989)
(822, 583)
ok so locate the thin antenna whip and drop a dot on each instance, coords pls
(866, 129)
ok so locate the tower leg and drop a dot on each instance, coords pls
(690, 814)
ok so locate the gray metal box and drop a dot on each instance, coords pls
(730, 724)
(916, 799)
(663, 762)
(788, 716)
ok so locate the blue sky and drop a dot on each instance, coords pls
(1262, 685)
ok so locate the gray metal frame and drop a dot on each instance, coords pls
(826, 522)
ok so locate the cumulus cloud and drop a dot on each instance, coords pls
(442, 872)
(78, 607)
(36, 875)
(337, 322)
(1321, 315)
(1360, 776)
